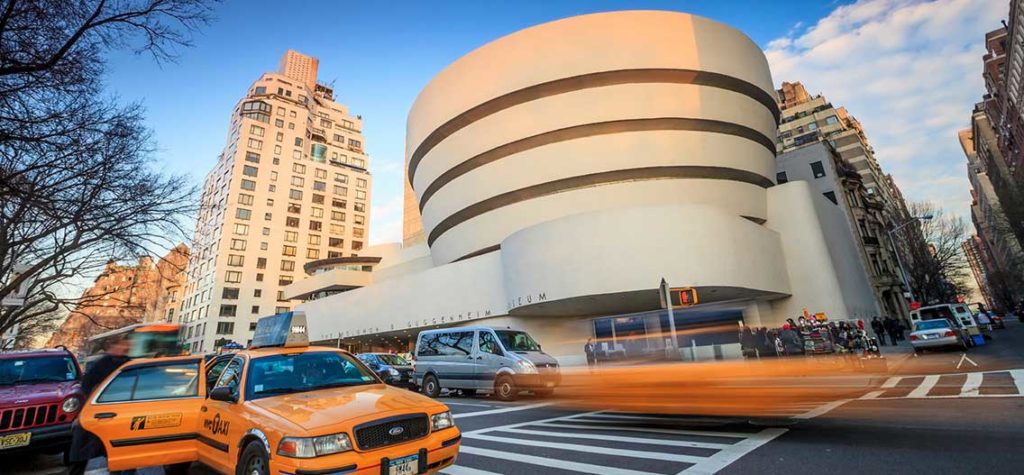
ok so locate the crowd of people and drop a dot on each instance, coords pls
(890, 327)
(806, 336)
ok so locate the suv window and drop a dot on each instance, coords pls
(165, 381)
(37, 369)
(456, 343)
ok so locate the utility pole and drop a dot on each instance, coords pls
(664, 290)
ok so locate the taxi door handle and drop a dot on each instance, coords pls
(202, 409)
(106, 415)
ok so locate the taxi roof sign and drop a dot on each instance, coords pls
(284, 329)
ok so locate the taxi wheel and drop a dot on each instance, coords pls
(431, 387)
(505, 389)
(253, 461)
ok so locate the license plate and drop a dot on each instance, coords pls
(15, 440)
(404, 466)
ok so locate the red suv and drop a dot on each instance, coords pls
(40, 395)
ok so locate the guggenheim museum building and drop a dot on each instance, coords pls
(556, 175)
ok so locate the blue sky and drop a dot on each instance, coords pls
(380, 54)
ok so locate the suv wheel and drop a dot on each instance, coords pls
(505, 388)
(431, 387)
(253, 461)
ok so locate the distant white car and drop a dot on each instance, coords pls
(937, 333)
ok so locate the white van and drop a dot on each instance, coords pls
(957, 313)
(472, 359)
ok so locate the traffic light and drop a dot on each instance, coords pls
(683, 296)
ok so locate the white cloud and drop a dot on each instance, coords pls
(387, 221)
(910, 71)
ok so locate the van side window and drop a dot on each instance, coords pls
(453, 343)
(489, 344)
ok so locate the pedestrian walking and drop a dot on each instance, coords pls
(85, 446)
(591, 352)
(879, 329)
(892, 329)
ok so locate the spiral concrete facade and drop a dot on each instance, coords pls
(523, 129)
(563, 170)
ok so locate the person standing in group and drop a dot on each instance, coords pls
(790, 340)
(85, 446)
(879, 329)
(591, 353)
(892, 328)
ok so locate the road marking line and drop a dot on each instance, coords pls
(548, 462)
(723, 458)
(633, 440)
(963, 357)
(502, 410)
(1018, 379)
(872, 395)
(468, 404)
(591, 449)
(652, 430)
(458, 470)
(891, 382)
(922, 389)
(520, 424)
(822, 409)
(972, 385)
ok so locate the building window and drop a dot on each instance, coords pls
(335, 242)
(295, 194)
(284, 280)
(242, 213)
(280, 310)
(357, 233)
(248, 185)
(255, 309)
(818, 169)
(273, 176)
(230, 293)
(256, 130)
(278, 123)
(236, 260)
(261, 90)
(359, 162)
(360, 195)
(261, 263)
(357, 245)
(294, 208)
(360, 183)
(314, 226)
(244, 199)
(338, 203)
(252, 157)
(781, 178)
(341, 190)
(255, 144)
(320, 186)
(241, 229)
(291, 222)
(320, 173)
(288, 251)
(355, 143)
(831, 120)
(318, 152)
(317, 212)
(831, 195)
(263, 246)
(343, 179)
(359, 207)
(227, 310)
(291, 236)
(232, 277)
(314, 239)
(259, 277)
(333, 254)
(267, 217)
(359, 220)
(238, 244)
(298, 181)
(288, 266)
(298, 141)
(257, 292)
(338, 229)
(225, 328)
(312, 253)
(298, 168)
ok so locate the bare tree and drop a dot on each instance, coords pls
(76, 183)
(937, 269)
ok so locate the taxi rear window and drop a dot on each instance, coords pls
(300, 372)
(166, 381)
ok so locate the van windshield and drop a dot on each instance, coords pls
(517, 341)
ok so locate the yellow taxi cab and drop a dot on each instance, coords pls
(279, 408)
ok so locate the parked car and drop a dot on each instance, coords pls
(998, 321)
(40, 395)
(958, 314)
(393, 369)
(472, 359)
(937, 333)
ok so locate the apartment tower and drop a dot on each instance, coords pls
(291, 187)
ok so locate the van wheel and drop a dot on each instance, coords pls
(253, 461)
(505, 388)
(431, 387)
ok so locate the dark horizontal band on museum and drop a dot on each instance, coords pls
(486, 250)
(591, 180)
(588, 81)
(591, 130)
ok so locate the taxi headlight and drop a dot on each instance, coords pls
(71, 404)
(525, 366)
(441, 421)
(309, 447)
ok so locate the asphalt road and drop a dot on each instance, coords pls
(937, 413)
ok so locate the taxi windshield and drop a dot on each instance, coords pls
(301, 372)
(37, 370)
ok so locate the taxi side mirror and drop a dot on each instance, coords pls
(223, 393)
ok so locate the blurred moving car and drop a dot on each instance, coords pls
(40, 395)
(937, 333)
(148, 340)
(393, 369)
(280, 407)
(471, 359)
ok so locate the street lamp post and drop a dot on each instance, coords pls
(899, 262)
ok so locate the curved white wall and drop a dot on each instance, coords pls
(640, 108)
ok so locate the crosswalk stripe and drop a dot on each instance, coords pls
(634, 440)
(1018, 380)
(459, 470)
(591, 449)
(972, 386)
(548, 462)
(653, 430)
(723, 458)
(922, 389)
(891, 382)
